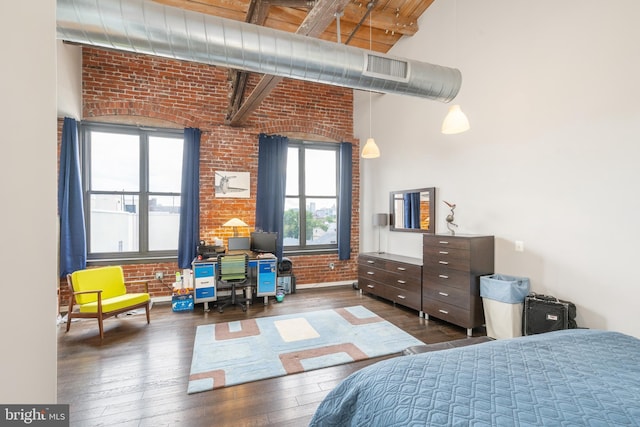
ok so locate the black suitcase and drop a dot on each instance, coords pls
(545, 313)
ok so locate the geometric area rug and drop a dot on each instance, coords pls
(232, 353)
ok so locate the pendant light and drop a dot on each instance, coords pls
(370, 150)
(455, 121)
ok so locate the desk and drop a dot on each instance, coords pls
(262, 276)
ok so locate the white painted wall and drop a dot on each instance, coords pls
(551, 90)
(28, 362)
(69, 66)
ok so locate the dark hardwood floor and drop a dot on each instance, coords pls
(137, 376)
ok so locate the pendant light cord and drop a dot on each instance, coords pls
(370, 6)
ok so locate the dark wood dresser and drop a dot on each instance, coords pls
(394, 277)
(452, 266)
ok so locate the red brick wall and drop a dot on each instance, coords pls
(138, 89)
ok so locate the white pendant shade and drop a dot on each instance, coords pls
(370, 150)
(455, 122)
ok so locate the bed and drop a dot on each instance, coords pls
(573, 377)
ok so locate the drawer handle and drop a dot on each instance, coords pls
(443, 242)
(370, 286)
(443, 253)
(371, 273)
(402, 282)
(444, 294)
(442, 276)
(443, 311)
(402, 297)
(370, 262)
(443, 262)
(401, 268)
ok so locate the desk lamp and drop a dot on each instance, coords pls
(380, 220)
(235, 223)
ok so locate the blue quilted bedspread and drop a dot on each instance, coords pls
(577, 377)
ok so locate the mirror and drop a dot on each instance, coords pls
(413, 210)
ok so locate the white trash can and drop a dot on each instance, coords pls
(503, 302)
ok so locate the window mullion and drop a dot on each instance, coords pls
(303, 197)
(143, 199)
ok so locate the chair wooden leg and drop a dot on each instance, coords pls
(71, 298)
(146, 307)
(69, 312)
(100, 327)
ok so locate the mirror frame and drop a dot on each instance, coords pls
(431, 191)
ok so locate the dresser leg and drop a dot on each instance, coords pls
(421, 313)
(206, 306)
(426, 316)
(469, 332)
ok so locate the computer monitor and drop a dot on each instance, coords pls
(239, 244)
(263, 242)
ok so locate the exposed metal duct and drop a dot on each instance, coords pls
(150, 28)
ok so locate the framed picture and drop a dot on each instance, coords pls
(232, 184)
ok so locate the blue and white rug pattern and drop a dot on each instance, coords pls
(226, 354)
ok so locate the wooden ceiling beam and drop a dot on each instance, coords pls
(318, 19)
(256, 14)
(385, 20)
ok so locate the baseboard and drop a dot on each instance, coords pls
(167, 298)
(326, 284)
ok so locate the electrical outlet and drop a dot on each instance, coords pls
(519, 246)
(159, 275)
(332, 266)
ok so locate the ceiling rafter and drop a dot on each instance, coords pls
(390, 20)
(318, 19)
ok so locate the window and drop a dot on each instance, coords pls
(311, 200)
(132, 183)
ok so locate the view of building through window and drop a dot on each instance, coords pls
(311, 201)
(134, 179)
(134, 182)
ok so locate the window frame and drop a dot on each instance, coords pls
(143, 193)
(302, 145)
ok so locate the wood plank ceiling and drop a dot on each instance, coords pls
(378, 24)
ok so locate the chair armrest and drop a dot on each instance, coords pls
(144, 282)
(97, 291)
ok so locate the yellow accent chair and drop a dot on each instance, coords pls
(101, 293)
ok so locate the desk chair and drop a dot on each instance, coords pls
(232, 271)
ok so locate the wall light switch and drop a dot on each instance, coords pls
(519, 246)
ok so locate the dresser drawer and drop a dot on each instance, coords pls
(447, 264)
(447, 277)
(407, 270)
(436, 253)
(412, 285)
(447, 294)
(372, 262)
(450, 242)
(369, 286)
(404, 275)
(450, 313)
(408, 297)
(437, 257)
(372, 273)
